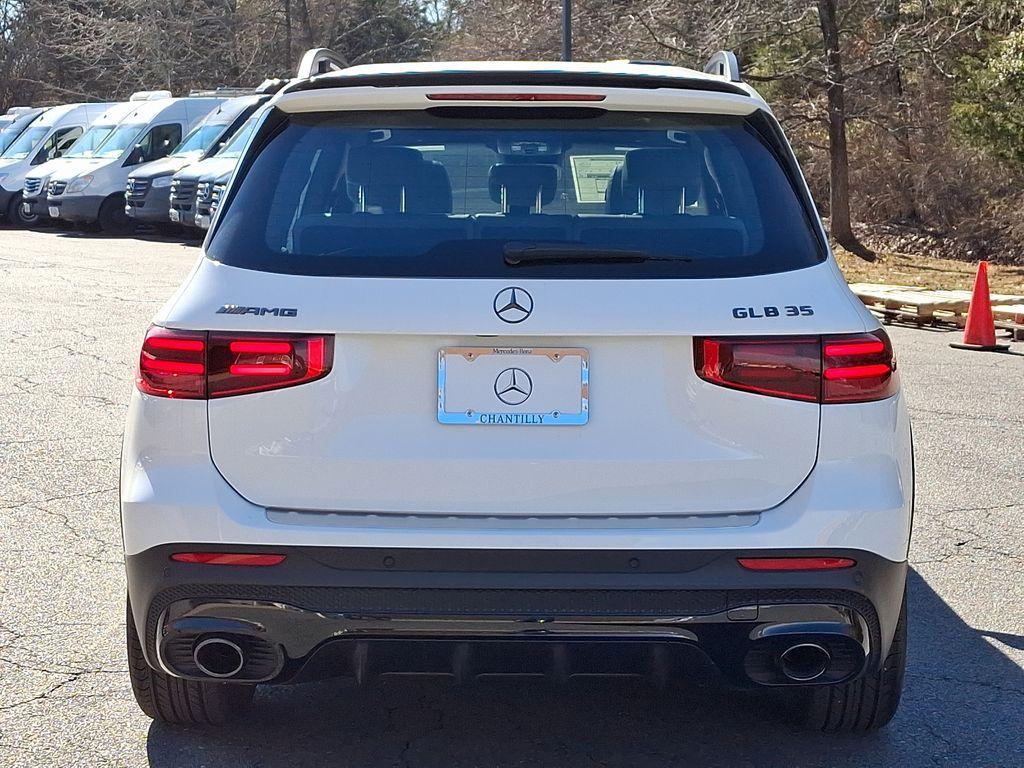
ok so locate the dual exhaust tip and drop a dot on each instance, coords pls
(218, 657)
(804, 662)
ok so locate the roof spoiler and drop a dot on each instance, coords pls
(149, 95)
(724, 64)
(317, 61)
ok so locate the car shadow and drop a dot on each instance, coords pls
(962, 696)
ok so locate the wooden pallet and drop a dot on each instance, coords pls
(1010, 317)
(900, 302)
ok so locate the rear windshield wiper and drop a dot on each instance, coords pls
(527, 254)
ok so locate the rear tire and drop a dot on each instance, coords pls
(172, 700)
(112, 218)
(17, 218)
(869, 702)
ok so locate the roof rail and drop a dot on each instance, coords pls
(223, 91)
(149, 95)
(724, 64)
(317, 61)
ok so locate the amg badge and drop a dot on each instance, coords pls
(235, 309)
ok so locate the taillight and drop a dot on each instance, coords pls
(858, 368)
(823, 369)
(781, 367)
(173, 364)
(189, 364)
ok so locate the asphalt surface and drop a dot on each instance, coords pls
(73, 309)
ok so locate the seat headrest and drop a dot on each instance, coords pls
(432, 192)
(371, 166)
(522, 182)
(662, 174)
(386, 176)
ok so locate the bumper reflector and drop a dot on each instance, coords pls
(795, 563)
(227, 558)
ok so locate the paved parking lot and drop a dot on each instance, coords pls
(72, 312)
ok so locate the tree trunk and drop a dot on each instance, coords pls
(839, 159)
(893, 92)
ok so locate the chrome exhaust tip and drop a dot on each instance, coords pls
(218, 657)
(804, 662)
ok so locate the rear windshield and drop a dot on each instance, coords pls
(553, 194)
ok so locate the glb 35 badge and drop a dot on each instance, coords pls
(789, 310)
(235, 309)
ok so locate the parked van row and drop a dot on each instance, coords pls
(112, 165)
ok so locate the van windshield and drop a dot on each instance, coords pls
(8, 135)
(89, 141)
(119, 139)
(199, 141)
(237, 142)
(496, 192)
(26, 142)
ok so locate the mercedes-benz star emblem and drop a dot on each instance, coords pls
(513, 386)
(513, 305)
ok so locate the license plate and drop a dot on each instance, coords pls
(203, 221)
(175, 215)
(54, 212)
(513, 386)
(26, 208)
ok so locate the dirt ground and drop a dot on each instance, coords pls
(928, 272)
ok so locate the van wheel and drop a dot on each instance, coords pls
(869, 702)
(175, 701)
(17, 217)
(112, 218)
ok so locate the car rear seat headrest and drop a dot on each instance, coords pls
(662, 175)
(523, 184)
(386, 175)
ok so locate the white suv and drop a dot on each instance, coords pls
(517, 367)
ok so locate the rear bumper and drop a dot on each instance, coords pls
(81, 208)
(328, 611)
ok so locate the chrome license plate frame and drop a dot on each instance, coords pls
(516, 415)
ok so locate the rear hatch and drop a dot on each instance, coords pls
(513, 301)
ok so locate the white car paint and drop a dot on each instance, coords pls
(667, 461)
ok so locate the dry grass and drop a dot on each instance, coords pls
(927, 272)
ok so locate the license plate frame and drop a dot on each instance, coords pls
(54, 212)
(515, 415)
(174, 215)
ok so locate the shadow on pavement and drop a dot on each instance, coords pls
(963, 696)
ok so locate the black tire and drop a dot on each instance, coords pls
(869, 702)
(17, 218)
(112, 218)
(175, 701)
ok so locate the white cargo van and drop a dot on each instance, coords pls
(14, 121)
(33, 210)
(93, 190)
(50, 135)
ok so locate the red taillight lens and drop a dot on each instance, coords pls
(795, 563)
(226, 558)
(190, 364)
(858, 368)
(173, 364)
(781, 367)
(830, 369)
(241, 364)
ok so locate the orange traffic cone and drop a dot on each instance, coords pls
(980, 330)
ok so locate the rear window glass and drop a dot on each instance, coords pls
(546, 194)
